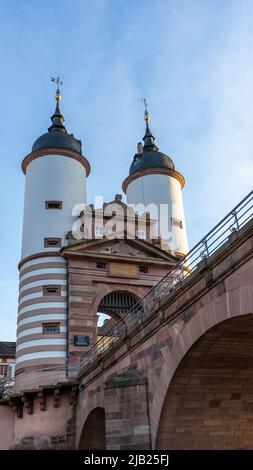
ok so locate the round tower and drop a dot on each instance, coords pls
(153, 181)
(56, 174)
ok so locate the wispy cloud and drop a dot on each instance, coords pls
(191, 59)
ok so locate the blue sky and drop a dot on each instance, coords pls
(191, 59)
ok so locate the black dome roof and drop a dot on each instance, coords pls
(57, 139)
(57, 135)
(150, 159)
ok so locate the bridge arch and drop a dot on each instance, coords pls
(209, 402)
(237, 300)
(93, 432)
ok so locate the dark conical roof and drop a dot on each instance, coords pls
(57, 135)
(151, 157)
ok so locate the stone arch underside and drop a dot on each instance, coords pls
(93, 432)
(209, 402)
(229, 299)
(117, 303)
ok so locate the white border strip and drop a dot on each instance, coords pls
(28, 308)
(36, 295)
(41, 342)
(38, 272)
(44, 259)
(43, 318)
(37, 330)
(43, 282)
(40, 355)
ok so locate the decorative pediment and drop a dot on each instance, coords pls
(122, 248)
(130, 248)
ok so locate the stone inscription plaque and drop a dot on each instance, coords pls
(123, 270)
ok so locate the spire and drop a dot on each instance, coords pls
(57, 118)
(149, 139)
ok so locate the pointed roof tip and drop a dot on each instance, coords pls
(149, 139)
(57, 118)
(57, 135)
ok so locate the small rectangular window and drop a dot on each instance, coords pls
(81, 340)
(53, 204)
(51, 328)
(52, 242)
(101, 266)
(141, 234)
(51, 290)
(143, 269)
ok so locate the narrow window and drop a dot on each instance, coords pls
(51, 328)
(52, 242)
(143, 269)
(101, 266)
(51, 290)
(53, 204)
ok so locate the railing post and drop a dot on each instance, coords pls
(236, 220)
(181, 271)
(205, 253)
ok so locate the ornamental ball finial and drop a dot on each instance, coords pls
(58, 83)
(146, 114)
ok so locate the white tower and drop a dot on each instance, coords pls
(153, 181)
(56, 174)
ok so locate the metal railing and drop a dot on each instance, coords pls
(51, 375)
(6, 386)
(171, 282)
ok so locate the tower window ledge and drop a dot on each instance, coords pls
(52, 242)
(53, 204)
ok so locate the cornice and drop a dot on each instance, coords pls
(153, 171)
(55, 151)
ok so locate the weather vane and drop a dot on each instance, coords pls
(145, 104)
(58, 83)
(146, 115)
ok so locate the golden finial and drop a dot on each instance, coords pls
(146, 114)
(58, 82)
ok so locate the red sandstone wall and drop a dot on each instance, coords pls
(51, 422)
(7, 419)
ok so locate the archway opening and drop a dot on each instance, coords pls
(93, 433)
(112, 308)
(209, 402)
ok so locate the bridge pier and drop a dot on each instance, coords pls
(127, 415)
